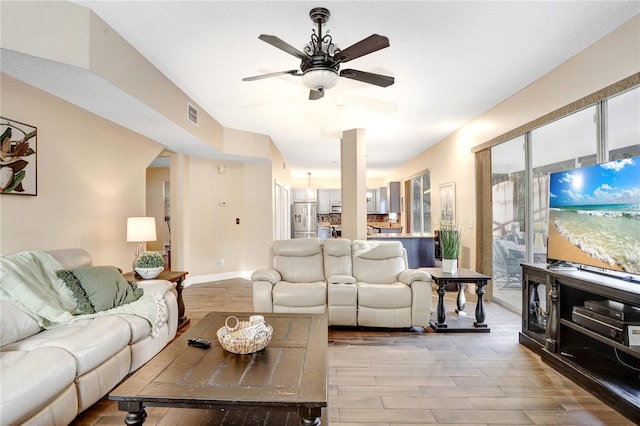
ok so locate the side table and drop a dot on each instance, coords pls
(174, 277)
(460, 278)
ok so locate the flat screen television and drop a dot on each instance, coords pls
(594, 216)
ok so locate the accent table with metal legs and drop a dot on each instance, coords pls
(461, 278)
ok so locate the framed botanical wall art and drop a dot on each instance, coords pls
(448, 201)
(18, 159)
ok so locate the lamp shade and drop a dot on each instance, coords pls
(320, 78)
(141, 229)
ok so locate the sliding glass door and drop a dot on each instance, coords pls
(520, 167)
(508, 191)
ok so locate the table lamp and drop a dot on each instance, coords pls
(140, 230)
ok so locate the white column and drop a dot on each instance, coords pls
(353, 163)
(180, 206)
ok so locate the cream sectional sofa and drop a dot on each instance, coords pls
(50, 375)
(358, 283)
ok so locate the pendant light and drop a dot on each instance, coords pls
(309, 190)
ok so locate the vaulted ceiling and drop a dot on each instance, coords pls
(451, 62)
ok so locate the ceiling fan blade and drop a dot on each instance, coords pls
(314, 95)
(368, 77)
(273, 74)
(363, 47)
(284, 46)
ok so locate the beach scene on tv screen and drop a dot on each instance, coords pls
(594, 215)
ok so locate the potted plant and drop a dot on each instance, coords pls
(149, 264)
(450, 242)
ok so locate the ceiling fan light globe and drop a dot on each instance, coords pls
(320, 79)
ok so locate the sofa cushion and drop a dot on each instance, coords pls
(337, 257)
(62, 410)
(299, 295)
(377, 250)
(384, 296)
(15, 324)
(90, 341)
(145, 349)
(73, 283)
(378, 262)
(96, 383)
(376, 317)
(300, 247)
(140, 327)
(31, 380)
(299, 260)
(105, 287)
(71, 258)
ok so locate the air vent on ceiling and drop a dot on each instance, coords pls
(192, 114)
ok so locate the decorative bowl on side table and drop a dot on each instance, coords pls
(149, 273)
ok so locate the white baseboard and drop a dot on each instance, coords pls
(217, 277)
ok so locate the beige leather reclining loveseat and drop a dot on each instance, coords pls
(358, 283)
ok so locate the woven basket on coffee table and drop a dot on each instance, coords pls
(242, 346)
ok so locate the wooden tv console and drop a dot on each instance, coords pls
(607, 368)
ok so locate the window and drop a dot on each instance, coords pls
(567, 143)
(512, 172)
(421, 203)
(623, 125)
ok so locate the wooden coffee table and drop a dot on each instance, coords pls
(289, 375)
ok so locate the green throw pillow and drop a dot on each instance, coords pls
(105, 287)
(84, 304)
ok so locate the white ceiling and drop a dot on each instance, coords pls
(451, 61)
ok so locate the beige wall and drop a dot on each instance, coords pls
(91, 177)
(48, 38)
(607, 61)
(115, 60)
(203, 232)
(257, 222)
(211, 244)
(214, 236)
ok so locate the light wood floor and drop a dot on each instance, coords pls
(398, 377)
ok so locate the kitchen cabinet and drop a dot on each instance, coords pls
(372, 200)
(304, 194)
(327, 197)
(336, 196)
(393, 197)
(383, 204)
(324, 201)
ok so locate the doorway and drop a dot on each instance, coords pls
(158, 205)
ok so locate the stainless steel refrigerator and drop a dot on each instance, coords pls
(304, 220)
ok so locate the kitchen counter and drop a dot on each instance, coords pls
(396, 235)
(420, 247)
(385, 225)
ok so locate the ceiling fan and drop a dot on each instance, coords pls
(321, 59)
